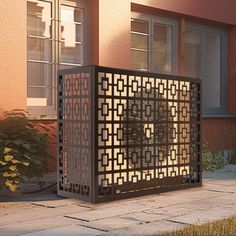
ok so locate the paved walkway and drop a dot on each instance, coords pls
(45, 215)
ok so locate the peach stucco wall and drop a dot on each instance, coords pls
(114, 33)
(114, 26)
(114, 43)
(215, 10)
(13, 54)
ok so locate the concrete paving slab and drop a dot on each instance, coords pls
(107, 212)
(176, 210)
(71, 230)
(147, 215)
(147, 229)
(144, 217)
(31, 212)
(111, 224)
(221, 188)
(19, 228)
(181, 197)
(56, 203)
(205, 216)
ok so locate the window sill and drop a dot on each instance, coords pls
(48, 118)
(42, 113)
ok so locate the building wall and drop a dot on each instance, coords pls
(93, 6)
(114, 18)
(110, 45)
(232, 69)
(214, 10)
(114, 43)
(13, 54)
(114, 33)
(220, 133)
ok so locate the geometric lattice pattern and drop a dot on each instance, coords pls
(127, 133)
(74, 129)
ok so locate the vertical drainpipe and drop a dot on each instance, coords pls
(181, 56)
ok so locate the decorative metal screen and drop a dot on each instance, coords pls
(126, 133)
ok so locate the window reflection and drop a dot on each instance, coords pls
(152, 44)
(162, 48)
(139, 44)
(39, 18)
(53, 41)
(213, 69)
(71, 35)
(39, 53)
(193, 53)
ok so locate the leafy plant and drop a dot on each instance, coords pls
(212, 160)
(23, 149)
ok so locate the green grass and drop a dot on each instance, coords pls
(226, 227)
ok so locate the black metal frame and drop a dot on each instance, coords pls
(124, 133)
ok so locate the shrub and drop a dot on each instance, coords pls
(23, 149)
(212, 160)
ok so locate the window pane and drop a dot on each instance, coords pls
(193, 53)
(71, 35)
(36, 92)
(73, 54)
(55, 34)
(39, 49)
(39, 18)
(39, 74)
(212, 82)
(36, 97)
(39, 81)
(139, 60)
(71, 14)
(139, 26)
(161, 64)
(162, 48)
(71, 28)
(139, 41)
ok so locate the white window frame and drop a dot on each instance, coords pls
(49, 112)
(222, 110)
(153, 19)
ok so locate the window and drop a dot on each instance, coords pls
(55, 40)
(154, 43)
(206, 58)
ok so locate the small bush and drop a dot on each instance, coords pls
(212, 160)
(23, 149)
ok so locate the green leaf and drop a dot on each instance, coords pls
(12, 168)
(8, 157)
(2, 163)
(14, 161)
(26, 163)
(18, 142)
(6, 174)
(7, 150)
(29, 142)
(12, 187)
